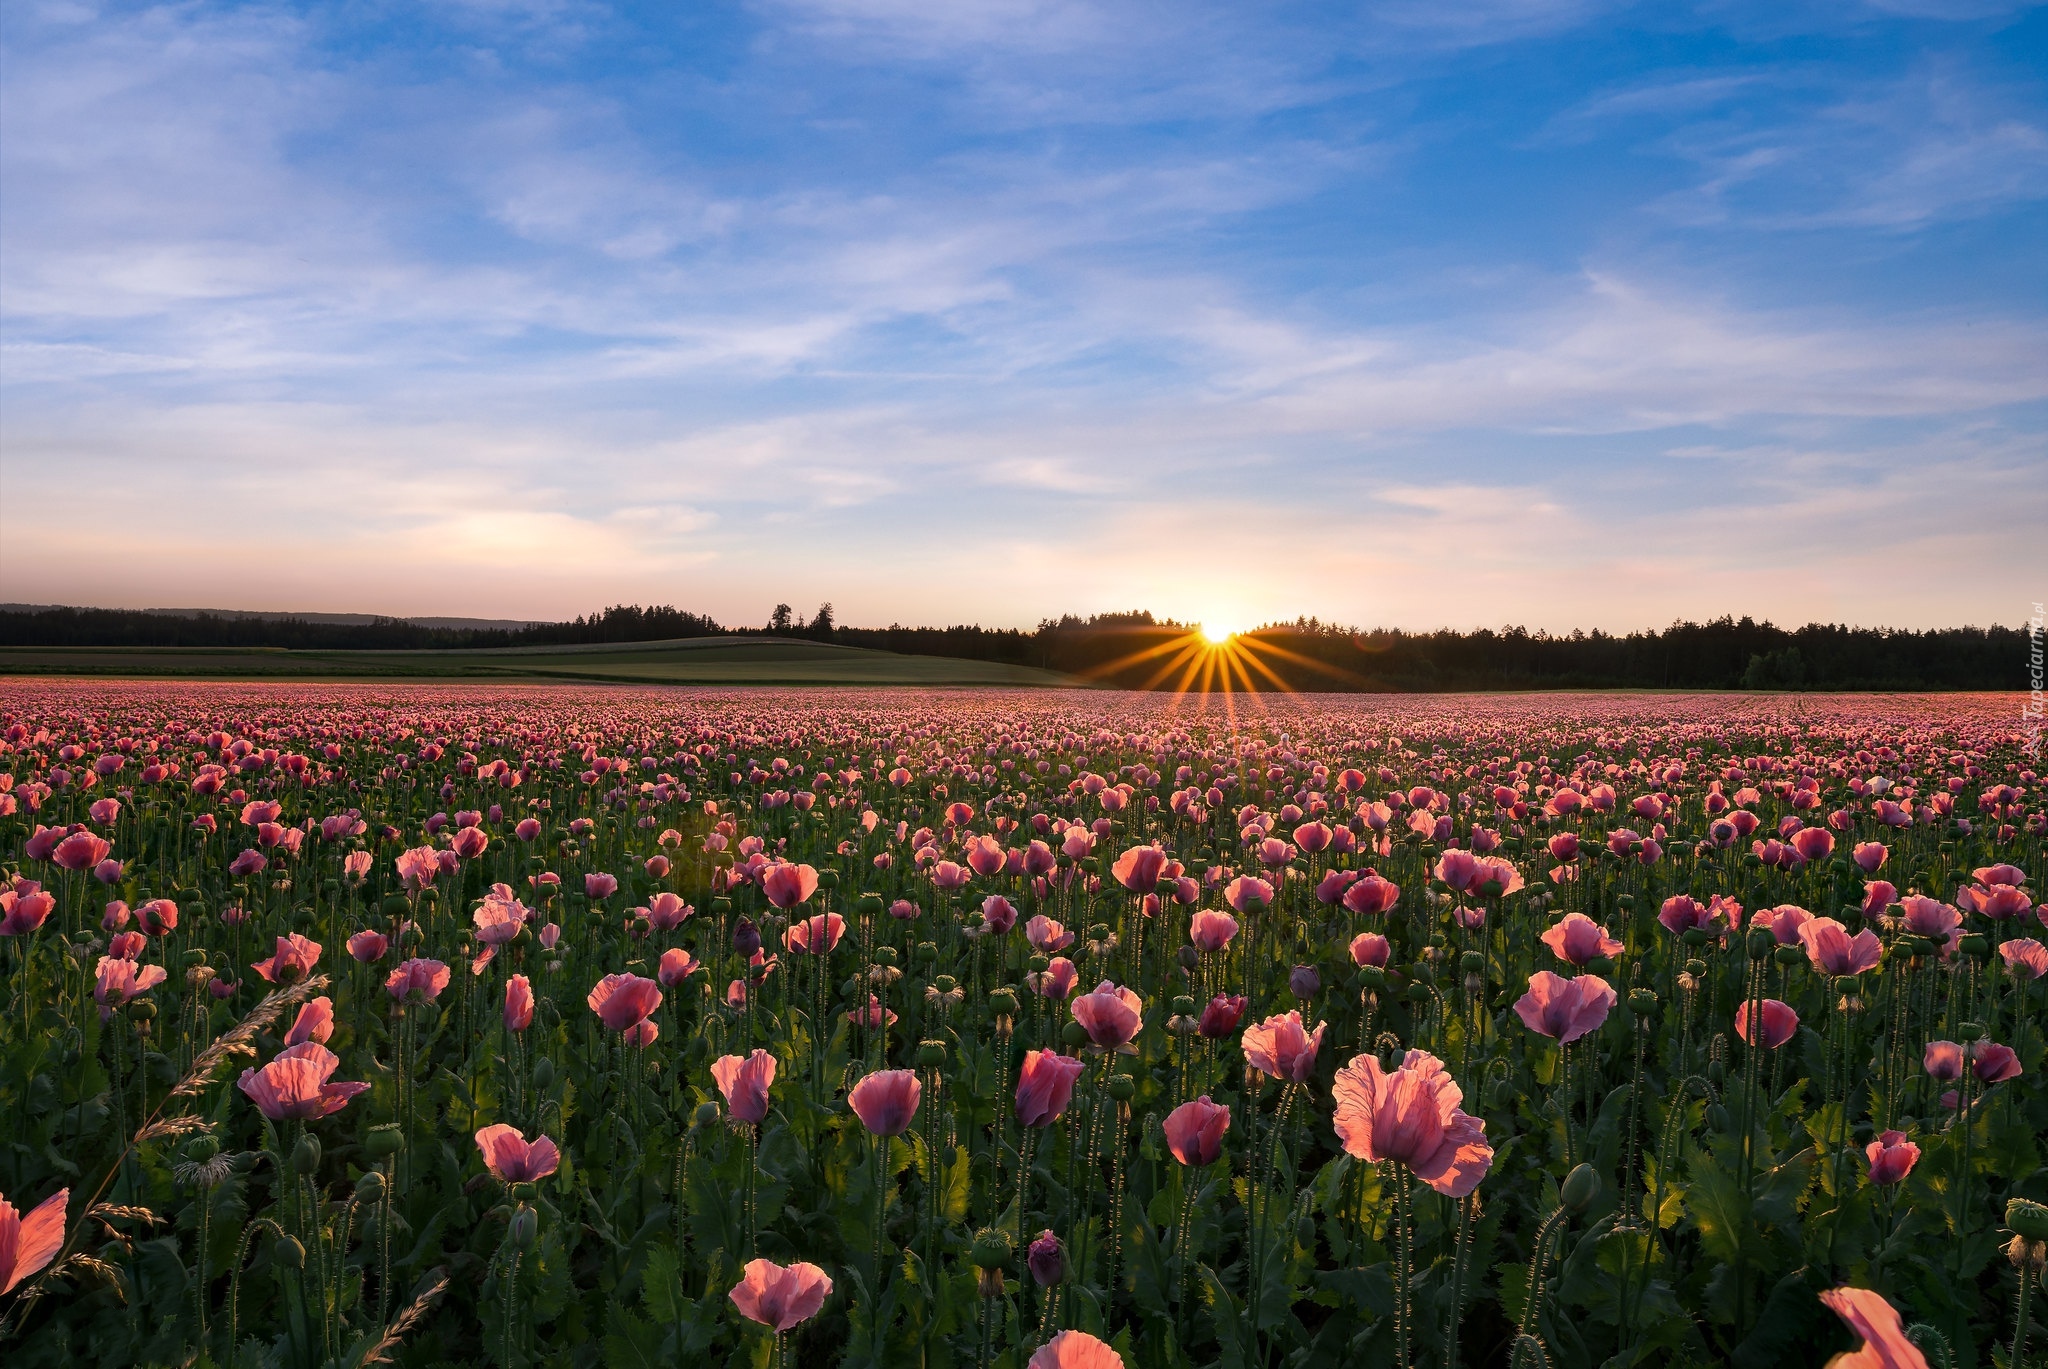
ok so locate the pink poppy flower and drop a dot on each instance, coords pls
(1884, 1335)
(1248, 893)
(294, 959)
(1047, 936)
(1891, 1157)
(1110, 1015)
(1370, 948)
(787, 885)
(1045, 1086)
(676, 966)
(368, 947)
(620, 1000)
(780, 1297)
(294, 1086)
(1578, 939)
(1282, 1048)
(1778, 1023)
(1565, 1009)
(1411, 1114)
(815, 935)
(1211, 931)
(886, 1101)
(1834, 952)
(1075, 1350)
(417, 976)
(745, 1080)
(511, 1159)
(29, 1243)
(1139, 868)
(518, 1012)
(1194, 1131)
(315, 1022)
(1370, 895)
(120, 981)
(2025, 958)
(1221, 1016)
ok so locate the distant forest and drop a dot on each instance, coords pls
(1130, 649)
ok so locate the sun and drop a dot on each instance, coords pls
(1215, 634)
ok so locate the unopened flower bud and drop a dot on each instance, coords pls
(1580, 1188)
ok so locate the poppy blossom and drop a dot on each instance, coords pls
(418, 976)
(294, 959)
(1075, 1350)
(1411, 1114)
(1282, 1048)
(1578, 939)
(1565, 1009)
(29, 1243)
(886, 1101)
(780, 1296)
(295, 1085)
(745, 1080)
(1045, 1086)
(1110, 1015)
(1194, 1131)
(620, 1000)
(1884, 1334)
(513, 1160)
(1777, 1023)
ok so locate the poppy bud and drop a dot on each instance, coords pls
(706, 1115)
(543, 1074)
(287, 1253)
(1189, 957)
(1303, 981)
(524, 1228)
(1761, 943)
(1625, 902)
(370, 1188)
(746, 937)
(1047, 1260)
(1580, 1188)
(1501, 1094)
(306, 1155)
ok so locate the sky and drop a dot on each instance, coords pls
(1403, 313)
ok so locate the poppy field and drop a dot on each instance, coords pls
(506, 1025)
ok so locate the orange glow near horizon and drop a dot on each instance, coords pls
(1212, 659)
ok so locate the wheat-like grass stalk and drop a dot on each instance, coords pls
(405, 1321)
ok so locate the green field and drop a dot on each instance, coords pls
(697, 660)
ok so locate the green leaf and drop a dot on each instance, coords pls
(629, 1342)
(661, 1285)
(1720, 1211)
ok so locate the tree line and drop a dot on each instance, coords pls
(1133, 649)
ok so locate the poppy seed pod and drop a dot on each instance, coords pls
(1003, 1002)
(991, 1249)
(2029, 1219)
(1074, 1035)
(931, 1054)
(382, 1141)
(1122, 1087)
(1642, 1002)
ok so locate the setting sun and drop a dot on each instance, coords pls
(1215, 635)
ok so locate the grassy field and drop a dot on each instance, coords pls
(697, 660)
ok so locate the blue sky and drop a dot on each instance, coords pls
(1549, 312)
